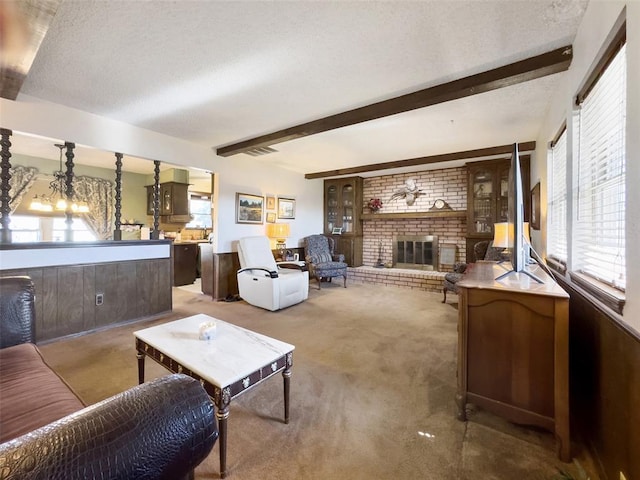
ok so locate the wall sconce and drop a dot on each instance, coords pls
(279, 231)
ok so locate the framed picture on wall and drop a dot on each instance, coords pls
(271, 217)
(249, 208)
(535, 207)
(271, 203)
(286, 208)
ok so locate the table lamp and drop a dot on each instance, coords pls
(503, 237)
(279, 231)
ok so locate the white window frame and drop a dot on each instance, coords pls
(557, 244)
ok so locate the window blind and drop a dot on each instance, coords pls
(557, 213)
(599, 227)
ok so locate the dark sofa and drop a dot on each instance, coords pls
(158, 430)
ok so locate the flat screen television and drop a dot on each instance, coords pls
(516, 219)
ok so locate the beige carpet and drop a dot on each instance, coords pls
(372, 392)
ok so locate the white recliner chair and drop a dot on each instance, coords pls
(263, 282)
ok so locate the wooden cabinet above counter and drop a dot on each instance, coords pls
(174, 199)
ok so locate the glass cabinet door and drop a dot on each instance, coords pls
(331, 208)
(348, 204)
(482, 205)
(502, 209)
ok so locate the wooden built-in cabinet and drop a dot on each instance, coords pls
(185, 263)
(488, 198)
(174, 199)
(342, 210)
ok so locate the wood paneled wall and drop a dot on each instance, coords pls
(66, 295)
(605, 387)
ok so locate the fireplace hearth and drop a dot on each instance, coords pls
(417, 252)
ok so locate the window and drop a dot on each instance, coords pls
(200, 210)
(31, 228)
(557, 193)
(599, 219)
(80, 231)
(25, 229)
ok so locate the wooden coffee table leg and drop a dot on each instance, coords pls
(286, 375)
(222, 414)
(140, 357)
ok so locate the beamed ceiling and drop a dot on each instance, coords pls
(332, 87)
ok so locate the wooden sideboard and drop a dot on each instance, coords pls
(513, 349)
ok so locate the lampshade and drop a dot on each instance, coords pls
(279, 231)
(503, 234)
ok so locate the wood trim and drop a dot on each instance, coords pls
(557, 136)
(412, 162)
(613, 46)
(607, 295)
(548, 63)
(407, 215)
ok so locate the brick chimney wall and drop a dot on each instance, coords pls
(449, 184)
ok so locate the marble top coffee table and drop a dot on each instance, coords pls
(232, 362)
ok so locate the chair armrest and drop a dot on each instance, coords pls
(338, 257)
(158, 430)
(459, 267)
(17, 311)
(271, 273)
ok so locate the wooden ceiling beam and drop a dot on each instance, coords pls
(412, 162)
(522, 71)
(23, 26)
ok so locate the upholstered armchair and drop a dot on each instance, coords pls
(321, 259)
(263, 283)
(483, 250)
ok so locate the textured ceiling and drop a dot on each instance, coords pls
(215, 73)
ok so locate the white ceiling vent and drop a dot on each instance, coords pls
(256, 152)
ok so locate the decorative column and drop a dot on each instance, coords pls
(155, 235)
(68, 234)
(5, 187)
(117, 234)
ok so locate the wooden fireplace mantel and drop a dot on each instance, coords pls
(405, 215)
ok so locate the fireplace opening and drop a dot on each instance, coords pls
(418, 252)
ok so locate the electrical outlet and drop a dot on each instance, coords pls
(622, 477)
(99, 299)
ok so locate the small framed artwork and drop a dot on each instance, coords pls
(286, 208)
(535, 207)
(249, 208)
(271, 203)
(271, 217)
(337, 231)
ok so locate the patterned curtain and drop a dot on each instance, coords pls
(22, 179)
(99, 195)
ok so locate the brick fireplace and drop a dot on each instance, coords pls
(449, 184)
(417, 252)
(397, 219)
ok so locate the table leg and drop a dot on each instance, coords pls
(222, 414)
(140, 357)
(461, 403)
(286, 375)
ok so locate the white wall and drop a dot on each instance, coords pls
(233, 174)
(597, 25)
